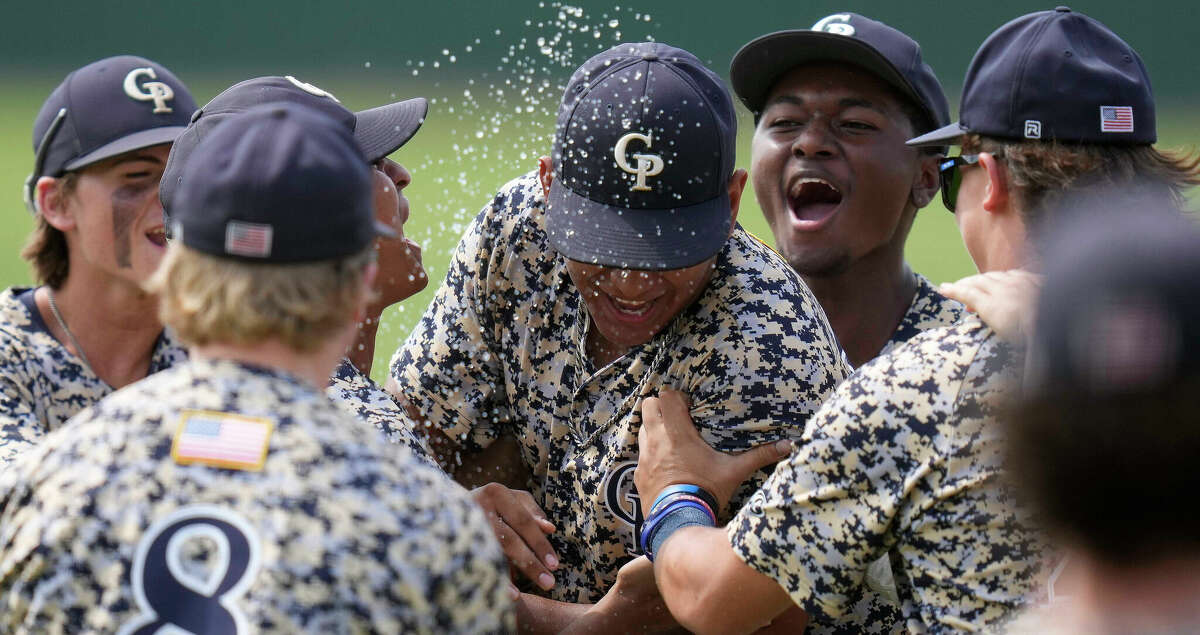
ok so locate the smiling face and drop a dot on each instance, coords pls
(831, 171)
(116, 223)
(629, 307)
(401, 273)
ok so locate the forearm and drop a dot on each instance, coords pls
(536, 614)
(709, 589)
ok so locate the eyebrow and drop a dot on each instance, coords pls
(847, 102)
(137, 156)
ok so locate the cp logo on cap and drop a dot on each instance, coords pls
(158, 92)
(647, 164)
(838, 23)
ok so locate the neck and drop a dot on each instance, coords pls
(115, 323)
(313, 367)
(865, 303)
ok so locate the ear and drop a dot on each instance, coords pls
(925, 181)
(737, 187)
(996, 196)
(545, 175)
(52, 204)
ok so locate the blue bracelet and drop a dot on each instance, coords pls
(674, 516)
(694, 490)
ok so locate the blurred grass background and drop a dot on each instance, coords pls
(494, 72)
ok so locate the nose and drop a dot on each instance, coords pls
(814, 140)
(631, 284)
(396, 173)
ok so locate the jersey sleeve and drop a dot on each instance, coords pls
(449, 367)
(20, 425)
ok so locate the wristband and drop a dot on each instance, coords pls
(694, 490)
(678, 496)
(674, 516)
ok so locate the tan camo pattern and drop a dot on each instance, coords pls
(356, 534)
(41, 383)
(905, 460)
(500, 352)
(365, 399)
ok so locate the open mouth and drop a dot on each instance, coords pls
(631, 309)
(813, 199)
(158, 236)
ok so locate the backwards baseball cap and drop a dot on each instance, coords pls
(378, 131)
(643, 152)
(842, 37)
(109, 107)
(280, 183)
(1054, 75)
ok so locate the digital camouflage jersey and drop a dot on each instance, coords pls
(929, 310)
(364, 398)
(500, 352)
(217, 495)
(41, 383)
(905, 460)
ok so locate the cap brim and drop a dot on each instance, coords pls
(382, 130)
(649, 239)
(945, 136)
(760, 63)
(129, 143)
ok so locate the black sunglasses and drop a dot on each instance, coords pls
(39, 161)
(951, 176)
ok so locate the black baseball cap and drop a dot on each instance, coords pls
(842, 37)
(1119, 312)
(378, 131)
(1054, 75)
(643, 152)
(279, 183)
(109, 107)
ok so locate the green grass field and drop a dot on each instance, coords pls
(473, 141)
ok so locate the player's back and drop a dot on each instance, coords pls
(124, 520)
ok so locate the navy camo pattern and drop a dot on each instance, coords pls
(500, 352)
(904, 460)
(355, 534)
(929, 310)
(365, 399)
(41, 383)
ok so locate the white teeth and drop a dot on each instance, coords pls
(626, 306)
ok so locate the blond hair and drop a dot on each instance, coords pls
(46, 248)
(209, 299)
(1043, 173)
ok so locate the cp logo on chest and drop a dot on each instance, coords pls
(621, 499)
(157, 92)
(645, 165)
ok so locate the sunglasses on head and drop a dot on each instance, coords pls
(39, 162)
(951, 176)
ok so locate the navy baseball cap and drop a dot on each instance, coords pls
(378, 131)
(842, 37)
(1054, 75)
(643, 152)
(109, 107)
(280, 183)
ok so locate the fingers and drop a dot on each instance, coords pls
(756, 458)
(521, 528)
(676, 415)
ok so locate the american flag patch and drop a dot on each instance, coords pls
(222, 439)
(1116, 119)
(252, 240)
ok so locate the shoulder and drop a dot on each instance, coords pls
(17, 324)
(929, 310)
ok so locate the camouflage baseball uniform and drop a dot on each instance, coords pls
(904, 460)
(41, 383)
(501, 351)
(103, 527)
(929, 310)
(365, 399)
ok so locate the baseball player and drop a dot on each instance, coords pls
(833, 107)
(379, 131)
(1114, 360)
(100, 141)
(614, 271)
(906, 457)
(229, 493)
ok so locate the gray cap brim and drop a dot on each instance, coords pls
(950, 135)
(648, 239)
(129, 143)
(380, 131)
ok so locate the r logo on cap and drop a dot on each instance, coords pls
(838, 23)
(158, 92)
(647, 164)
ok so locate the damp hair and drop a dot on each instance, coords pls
(208, 299)
(46, 247)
